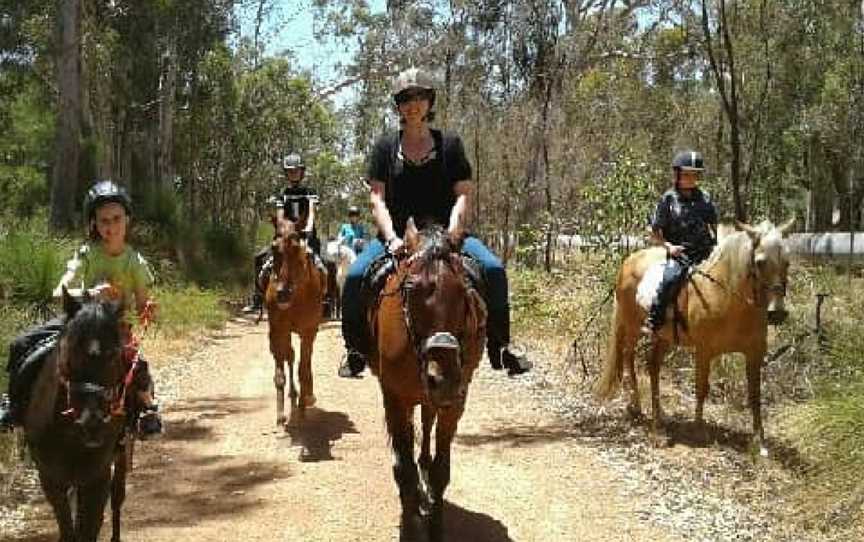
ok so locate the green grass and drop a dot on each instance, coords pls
(31, 261)
(186, 309)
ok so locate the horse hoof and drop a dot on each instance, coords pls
(308, 401)
(413, 529)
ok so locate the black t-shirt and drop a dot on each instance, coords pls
(423, 191)
(295, 201)
(684, 221)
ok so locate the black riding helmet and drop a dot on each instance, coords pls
(353, 211)
(688, 161)
(293, 161)
(102, 193)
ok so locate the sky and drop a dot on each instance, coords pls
(291, 26)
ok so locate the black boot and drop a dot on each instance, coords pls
(150, 422)
(352, 365)
(656, 318)
(255, 305)
(7, 420)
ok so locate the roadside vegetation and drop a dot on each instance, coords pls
(813, 383)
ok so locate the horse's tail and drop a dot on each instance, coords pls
(614, 367)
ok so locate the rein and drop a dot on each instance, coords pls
(441, 339)
(116, 394)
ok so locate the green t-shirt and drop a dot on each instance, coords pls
(127, 271)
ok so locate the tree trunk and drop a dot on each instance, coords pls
(167, 94)
(65, 173)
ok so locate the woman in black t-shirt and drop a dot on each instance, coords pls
(422, 173)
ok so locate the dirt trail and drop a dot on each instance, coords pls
(224, 471)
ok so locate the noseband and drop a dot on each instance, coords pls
(438, 340)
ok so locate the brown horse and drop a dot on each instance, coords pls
(75, 418)
(726, 307)
(293, 299)
(429, 327)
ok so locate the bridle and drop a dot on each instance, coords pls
(441, 340)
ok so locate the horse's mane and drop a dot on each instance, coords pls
(435, 244)
(94, 321)
(734, 249)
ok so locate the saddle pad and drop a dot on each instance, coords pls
(646, 292)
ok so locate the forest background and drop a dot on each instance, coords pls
(570, 111)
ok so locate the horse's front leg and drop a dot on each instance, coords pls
(400, 426)
(427, 416)
(292, 387)
(59, 500)
(627, 351)
(122, 463)
(754, 394)
(91, 507)
(703, 371)
(280, 351)
(307, 390)
(658, 352)
(439, 476)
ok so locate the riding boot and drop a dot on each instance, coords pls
(255, 305)
(498, 348)
(7, 421)
(656, 317)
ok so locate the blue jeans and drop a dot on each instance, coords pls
(355, 328)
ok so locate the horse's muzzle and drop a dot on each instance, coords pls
(443, 375)
(283, 294)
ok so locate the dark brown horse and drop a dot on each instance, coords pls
(726, 307)
(293, 299)
(75, 418)
(429, 325)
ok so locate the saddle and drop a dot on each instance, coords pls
(385, 265)
(647, 290)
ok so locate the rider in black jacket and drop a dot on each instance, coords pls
(685, 223)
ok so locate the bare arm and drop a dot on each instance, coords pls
(310, 219)
(460, 215)
(380, 213)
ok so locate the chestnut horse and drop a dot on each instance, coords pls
(293, 299)
(75, 419)
(730, 301)
(429, 327)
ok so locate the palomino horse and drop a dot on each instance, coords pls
(75, 418)
(429, 327)
(733, 297)
(341, 257)
(293, 299)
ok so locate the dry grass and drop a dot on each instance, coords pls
(813, 390)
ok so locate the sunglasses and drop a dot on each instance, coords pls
(410, 95)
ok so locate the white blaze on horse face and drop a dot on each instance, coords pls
(94, 348)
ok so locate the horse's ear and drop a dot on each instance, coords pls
(412, 236)
(784, 227)
(754, 233)
(71, 306)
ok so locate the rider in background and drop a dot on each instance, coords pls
(685, 224)
(105, 260)
(296, 202)
(353, 234)
(422, 173)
